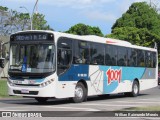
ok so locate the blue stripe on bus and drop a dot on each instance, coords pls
(75, 73)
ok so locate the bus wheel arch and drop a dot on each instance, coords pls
(135, 89)
(136, 79)
(81, 92)
(84, 83)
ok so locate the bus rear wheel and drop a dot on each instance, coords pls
(80, 93)
(135, 90)
(41, 99)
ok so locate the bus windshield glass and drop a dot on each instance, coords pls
(32, 58)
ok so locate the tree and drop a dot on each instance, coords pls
(140, 25)
(82, 29)
(142, 37)
(140, 15)
(19, 21)
(4, 16)
(39, 22)
(12, 21)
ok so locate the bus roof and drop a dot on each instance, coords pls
(111, 41)
(94, 38)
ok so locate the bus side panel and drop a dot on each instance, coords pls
(104, 79)
(67, 81)
(120, 79)
(149, 79)
(94, 80)
(95, 85)
(65, 89)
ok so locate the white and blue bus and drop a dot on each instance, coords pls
(47, 64)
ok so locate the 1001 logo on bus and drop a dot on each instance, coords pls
(114, 75)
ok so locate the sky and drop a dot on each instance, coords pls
(62, 14)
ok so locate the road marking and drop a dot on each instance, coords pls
(135, 102)
(151, 118)
(13, 108)
(155, 99)
(74, 108)
(95, 104)
(132, 101)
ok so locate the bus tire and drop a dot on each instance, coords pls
(135, 89)
(80, 93)
(41, 99)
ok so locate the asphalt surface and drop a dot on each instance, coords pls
(96, 106)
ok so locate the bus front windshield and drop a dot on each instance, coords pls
(32, 58)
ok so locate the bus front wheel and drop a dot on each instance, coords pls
(41, 99)
(80, 93)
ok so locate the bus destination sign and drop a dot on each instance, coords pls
(32, 37)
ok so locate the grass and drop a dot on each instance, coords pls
(4, 89)
(148, 108)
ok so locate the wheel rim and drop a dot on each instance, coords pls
(78, 92)
(135, 88)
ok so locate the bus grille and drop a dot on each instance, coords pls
(27, 84)
(30, 92)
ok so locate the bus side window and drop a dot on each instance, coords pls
(154, 59)
(148, 59)
(111, 55)
(64, 54)
(81, 52)
(64, 57)
(140, 58)
(97, 54)
(132, 56)
(122, 56)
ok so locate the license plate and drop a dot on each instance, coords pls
(20, 82)
(24, 91)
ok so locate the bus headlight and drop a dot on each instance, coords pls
(10, 82)
(46, 83)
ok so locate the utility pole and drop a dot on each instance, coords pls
(37, 7)
(33, 14)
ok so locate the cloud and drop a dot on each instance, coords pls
(75, 4)
(124, 6)
(99, 15)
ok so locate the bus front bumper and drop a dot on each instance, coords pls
(32, 91)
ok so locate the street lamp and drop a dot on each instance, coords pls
(29, 15)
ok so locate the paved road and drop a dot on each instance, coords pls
(93, 106)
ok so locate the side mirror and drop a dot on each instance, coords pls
(2, 62)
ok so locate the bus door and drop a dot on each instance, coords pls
(64, 59)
